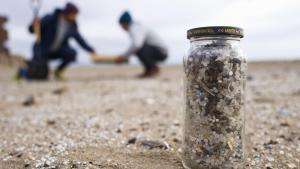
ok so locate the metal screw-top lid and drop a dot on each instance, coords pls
(215, 31)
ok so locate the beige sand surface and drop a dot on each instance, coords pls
(86, 122)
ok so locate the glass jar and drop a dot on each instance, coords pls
(215, 77)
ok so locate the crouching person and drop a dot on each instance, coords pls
(56, 30)
(145, 44)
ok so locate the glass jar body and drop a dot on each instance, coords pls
(215, 77)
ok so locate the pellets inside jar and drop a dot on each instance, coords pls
(214, 104)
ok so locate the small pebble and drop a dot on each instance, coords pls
(284, 124)
(272, 142)
(291, 165)
(250, 78)
(131, 141)
(59, 91)
(154, 144)
(176, 123)
(118, 130)
(176, 140)
(51, 122)
(29, 101)
(74, 166)
(150, 101)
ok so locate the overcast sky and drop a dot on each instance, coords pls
(271, 26)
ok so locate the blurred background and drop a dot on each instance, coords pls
(105, 117)
(271, 27)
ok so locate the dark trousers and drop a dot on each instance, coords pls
(37, 68)
(150, 56)
(67, 55)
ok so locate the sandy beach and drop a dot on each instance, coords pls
(104, 117)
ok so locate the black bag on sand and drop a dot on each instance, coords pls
(38, 67)
(38, 70)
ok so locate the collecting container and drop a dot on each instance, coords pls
(214, 77)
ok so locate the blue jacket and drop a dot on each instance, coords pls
(48, 33)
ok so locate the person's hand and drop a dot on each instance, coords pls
(36, 21)
(37, 28)
(103, 58)
(93, 56)
(121, 59)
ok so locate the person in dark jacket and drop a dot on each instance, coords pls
(56, 31)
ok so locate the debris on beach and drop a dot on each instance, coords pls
(250, 78)
(29, 101)
(60, 91)
(149, 144)
(119, 130)
(51, 122)
(132, 140)
(176, 123)
(292, 165)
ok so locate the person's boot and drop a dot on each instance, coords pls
(58, 74)
(18, 77)
(150, 73)
(21, 74)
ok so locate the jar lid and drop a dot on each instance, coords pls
(215, 31)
